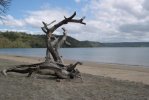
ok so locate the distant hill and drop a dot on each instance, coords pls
(126, 44)
(24, 40)
(76, 43)
(20, 40)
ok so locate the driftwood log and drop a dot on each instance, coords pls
(53, 64)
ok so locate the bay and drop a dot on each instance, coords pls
(120, 55)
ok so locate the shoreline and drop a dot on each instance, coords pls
(135, 73)
(71, 60)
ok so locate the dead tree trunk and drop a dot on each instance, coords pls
(49, 32)
(53, 61)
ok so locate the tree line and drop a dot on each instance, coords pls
(11, 39)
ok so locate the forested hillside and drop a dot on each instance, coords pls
(23, 40)
(20, 40)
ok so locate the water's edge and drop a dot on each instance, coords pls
(126, 56)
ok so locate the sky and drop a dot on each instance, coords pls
(106, 20)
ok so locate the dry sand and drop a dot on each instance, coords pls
(94, 87)
(117, 71)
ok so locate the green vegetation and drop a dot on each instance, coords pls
(11, 39)
(20, 40)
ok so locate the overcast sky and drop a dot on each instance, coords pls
(107, 20)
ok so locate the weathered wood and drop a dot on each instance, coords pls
(61, 40)
(72, 66)
(59, 43)
(49, 32)
(53, 64)
(66, 21)
(46, 68)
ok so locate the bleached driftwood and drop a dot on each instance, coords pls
(53, 63)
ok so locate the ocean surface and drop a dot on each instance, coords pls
(120, 55)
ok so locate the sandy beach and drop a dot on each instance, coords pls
(118, 71)
(100, 82)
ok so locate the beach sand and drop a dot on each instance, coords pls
(118, 71)
(100, 82)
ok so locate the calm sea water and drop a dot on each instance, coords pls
(125, 55)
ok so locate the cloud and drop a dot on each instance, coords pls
(20, 30)
(145, 5)
(35, 18)
(77, 1)
(12, 22)
(119, 20)
(139, 27)
(107, 20)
